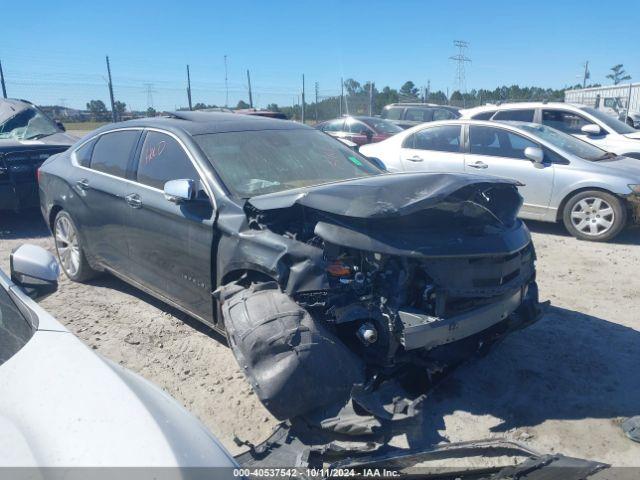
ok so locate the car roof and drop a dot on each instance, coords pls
(198, 123)
(521, 105)
(418, 104)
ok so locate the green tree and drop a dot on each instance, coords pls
(242, 104)
(408, 92)
(273, 107)
(97, 109)
(352, 86)
(618, 74)
(151, 112)
(121, 108)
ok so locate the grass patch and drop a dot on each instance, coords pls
(86, 126)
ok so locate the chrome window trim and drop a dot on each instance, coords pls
(196, 166)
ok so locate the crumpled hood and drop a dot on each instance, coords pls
(379, 196)
(634, 135)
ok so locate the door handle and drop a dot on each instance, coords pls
(479, 165)
(83, 184)
(133, 200)
(415, 158)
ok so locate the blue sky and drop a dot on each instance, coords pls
(53, 52)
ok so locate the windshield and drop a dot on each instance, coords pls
(28, 124)
(563, 141)
(611, 122)
(257, 162)
(15, 331)
(383, 126)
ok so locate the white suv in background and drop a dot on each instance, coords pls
(588, 124)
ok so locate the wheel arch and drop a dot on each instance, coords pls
(566, 198)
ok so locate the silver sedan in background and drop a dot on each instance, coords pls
(595, 193)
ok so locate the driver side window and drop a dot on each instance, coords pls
(163, 159)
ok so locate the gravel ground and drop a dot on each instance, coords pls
(562, 385)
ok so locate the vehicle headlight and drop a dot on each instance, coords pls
(635, 188)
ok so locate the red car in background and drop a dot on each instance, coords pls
(359, 130)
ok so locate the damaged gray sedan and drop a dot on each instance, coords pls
(344, 291)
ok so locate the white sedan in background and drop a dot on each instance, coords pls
(593, 192)
(583, 122)
(62, 405)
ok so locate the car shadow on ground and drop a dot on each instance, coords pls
(110, 282)
(23, 224)
(568, 366)
(629, 236)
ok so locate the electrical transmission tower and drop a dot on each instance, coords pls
(461, 59)
(150, 91)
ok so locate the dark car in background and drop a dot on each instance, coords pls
(27, 138)
(407, 115)
(325, 273)
(359, 130)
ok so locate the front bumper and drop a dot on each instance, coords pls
(15, 196)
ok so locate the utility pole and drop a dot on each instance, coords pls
(226, 83)
(113, 103)
(586, 75)
(4, 88)
(302, 112)
(189, 88)
(370, 98)
(250, 96)
(316, 102)
(341, 94)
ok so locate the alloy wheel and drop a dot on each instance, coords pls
(592, 216)
(66, 239)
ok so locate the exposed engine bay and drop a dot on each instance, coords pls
(380, 286)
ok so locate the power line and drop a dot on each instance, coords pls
(150, 91)
(461, 59)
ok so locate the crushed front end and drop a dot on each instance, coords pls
(406, 276)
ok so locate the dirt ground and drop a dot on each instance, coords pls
(562, 385)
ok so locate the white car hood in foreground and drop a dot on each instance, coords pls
(63, 405)
(634, 135)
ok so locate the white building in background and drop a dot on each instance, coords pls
(621, 101)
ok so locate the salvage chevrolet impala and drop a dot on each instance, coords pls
(343, 290)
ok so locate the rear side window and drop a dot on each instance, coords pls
(419, 114)
(443, 114)
(497, 142)
(393, 113)
(441, 139)
(83, 154)
(163, 159)
(515, 115)
(112, 151)
(564, 121)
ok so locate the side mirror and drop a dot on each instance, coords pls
(34, 270)
(369, 135)
(535, 154)
(60, 126)
(178, 191)
(591, 129)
